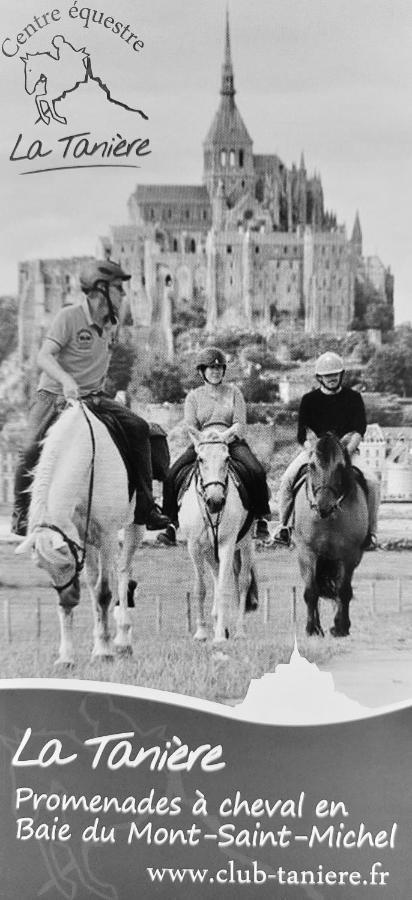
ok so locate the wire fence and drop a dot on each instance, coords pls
(160, 615)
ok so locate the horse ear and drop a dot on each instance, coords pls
(311, 440)
(26, 544)
(193, 433)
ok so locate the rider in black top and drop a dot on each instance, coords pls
(330, 407)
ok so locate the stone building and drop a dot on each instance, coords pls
(252, 246)
(253, 242)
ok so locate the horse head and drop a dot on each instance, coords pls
(330, 475)
(211, 446)
(32, 73)
(57, 554)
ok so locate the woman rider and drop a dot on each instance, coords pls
(213, 403)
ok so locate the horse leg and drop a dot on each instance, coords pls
(55, 115)
(68, 600)
(99, 570)
(127, 586)
(199, 589)
(341, 626)
(311, 597)
(242, 581)
(224, 593)
(39, 104)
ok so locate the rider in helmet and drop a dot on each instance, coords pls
(330, 407)
(74, 360)
(216, 402)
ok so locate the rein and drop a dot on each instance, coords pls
(201, 491)
(78, 552)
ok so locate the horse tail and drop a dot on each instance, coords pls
(252, 596)
(328, 572)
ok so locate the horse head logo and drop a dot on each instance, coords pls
(52, 74)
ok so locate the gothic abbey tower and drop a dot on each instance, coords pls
(253, 244)
(254, 240)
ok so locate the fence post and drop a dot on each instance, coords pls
(38, 618)
(7, 620)
(188, 612)
(158, 614)
(266, 606)
(373, 597)
(400, 598)
(293, 605)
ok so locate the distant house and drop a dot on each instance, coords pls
(388, 454)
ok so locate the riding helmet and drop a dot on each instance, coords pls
(96, 270)
(211, 356)
(329, 364)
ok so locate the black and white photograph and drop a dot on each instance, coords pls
(206, 386)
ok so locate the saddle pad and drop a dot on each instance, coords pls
(118, 436)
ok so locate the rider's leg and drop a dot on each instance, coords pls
(285, 495)
(138, 434)
(42, 414)
(170, 491)
(242, 456)
(240, 452)
(373, 499)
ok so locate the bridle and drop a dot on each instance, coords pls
(311, 497)
(201, 488)
(78, 552)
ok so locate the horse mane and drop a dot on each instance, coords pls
(56, 439)
(328, 450)
(328, 453)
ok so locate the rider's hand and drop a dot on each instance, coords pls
(70, 388)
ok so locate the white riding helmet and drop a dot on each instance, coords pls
(329, 364)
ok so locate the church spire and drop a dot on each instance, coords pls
(228, 81)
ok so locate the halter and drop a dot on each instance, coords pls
(201, 487)
(78, 552)
(313, 504)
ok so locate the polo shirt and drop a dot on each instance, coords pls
(84, 349)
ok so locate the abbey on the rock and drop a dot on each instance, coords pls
(255, 240)
(253, 245)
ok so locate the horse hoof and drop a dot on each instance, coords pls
(127, 650)
(102, 657)
(66, 664)
(313, 631)
(200, 635)
(338, 633)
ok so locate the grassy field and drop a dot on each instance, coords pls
(165, 655)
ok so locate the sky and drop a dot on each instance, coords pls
(330, 78)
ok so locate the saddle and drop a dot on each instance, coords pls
(158, 445)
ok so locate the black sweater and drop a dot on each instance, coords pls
(339, 413)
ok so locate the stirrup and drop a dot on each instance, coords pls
(262, 532)
(283, 535)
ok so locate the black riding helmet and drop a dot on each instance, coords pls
(99, 274)
(211, 356)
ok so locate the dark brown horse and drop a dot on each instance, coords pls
(331, 524)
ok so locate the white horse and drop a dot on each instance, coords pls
(79, 502)
(211, 517)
